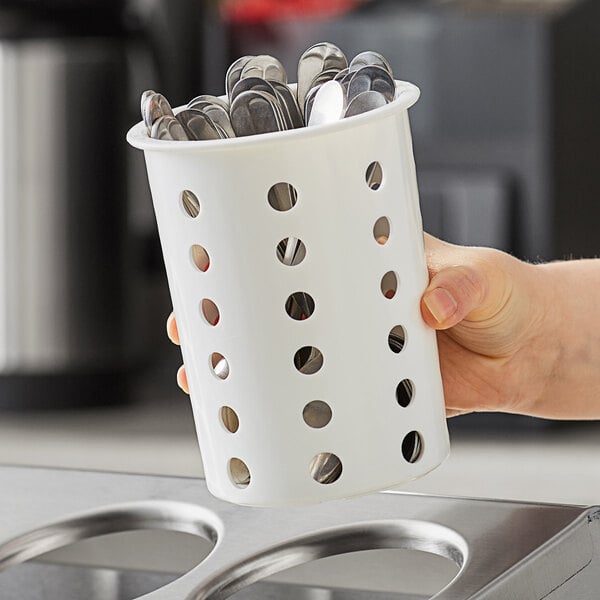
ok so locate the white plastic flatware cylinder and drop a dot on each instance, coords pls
(368, 413)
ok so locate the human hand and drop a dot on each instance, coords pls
(490, 311)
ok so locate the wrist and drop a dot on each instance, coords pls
(568, 340)
(539, 357)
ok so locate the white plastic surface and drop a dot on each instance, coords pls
(334, 216)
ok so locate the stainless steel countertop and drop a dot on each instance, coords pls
(504, 550)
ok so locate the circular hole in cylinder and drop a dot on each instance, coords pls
(412, 447)
(291, 251)
(308, 360)
(219, 365)
(229, 419)
(381, 230)
(317, 414)
(405, 392)
(374, 176)
(282, 196)
(200, 257)
(239, 473)
(326, 468)
(389, 285)
(190, 203)
(300, 306)
(397, 339)
(210, 311)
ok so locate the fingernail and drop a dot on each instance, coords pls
(441, 304)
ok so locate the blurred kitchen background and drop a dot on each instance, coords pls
(505, 135)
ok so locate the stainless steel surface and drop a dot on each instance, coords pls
(38, 581)
(505, 550)
(62, 211)
(53, 582)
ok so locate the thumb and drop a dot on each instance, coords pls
(464, 283)
(453, 294)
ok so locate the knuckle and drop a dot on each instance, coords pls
(470, 282)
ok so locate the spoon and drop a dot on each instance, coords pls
(365, 102)
(324, 77)
(208, 99)
(234, 73)
(265, 66)
(220, 117)
(364, 59)
(329, 104)
(168, 127)
(257, 84)
(316, 59)
(288, 102)
(145, 96)
(308, 103)
(198, 125)
(154, 107)
(372, 78)
(254, 112)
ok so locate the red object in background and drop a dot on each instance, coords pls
(261, 11)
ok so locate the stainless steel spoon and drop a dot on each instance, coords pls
(220, 117)
(372, 78)
(257, 84)
(205, 99)
(341, 74)
(324, 77)
(365, 59)
(254, 112)
(287, 100)
(154, 107)
(168, 127)
(364, 103)
(234, 73)
(308, 103)
(144, 97)
(326, 468)
(265, 66)
(329, 104)
(314, 60)
(198, 125)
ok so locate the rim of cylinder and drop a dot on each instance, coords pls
(406, 95)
